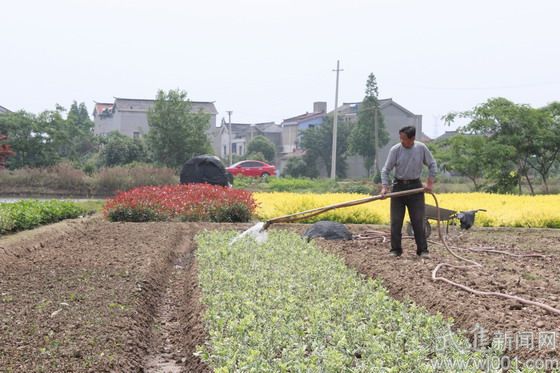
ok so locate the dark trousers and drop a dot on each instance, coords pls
(416, 211)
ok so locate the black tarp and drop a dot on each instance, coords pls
(205, 169)
(329, 230)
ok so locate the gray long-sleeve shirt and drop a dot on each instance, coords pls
(408, 162)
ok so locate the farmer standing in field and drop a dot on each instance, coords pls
(407, 159)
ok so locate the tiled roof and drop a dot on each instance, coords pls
(101, 107)
(302, 117)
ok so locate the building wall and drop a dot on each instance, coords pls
(104, 125)
(131, 122)
(394, 119)
(311, 123)
(289, 137)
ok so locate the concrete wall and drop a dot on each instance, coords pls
(394, 119)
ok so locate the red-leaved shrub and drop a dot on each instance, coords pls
(190, 202)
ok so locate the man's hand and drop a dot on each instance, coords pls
(429, 186)
(383, 191)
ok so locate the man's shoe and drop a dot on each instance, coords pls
(395, 253)
(424, 255)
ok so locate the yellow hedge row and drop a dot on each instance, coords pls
(502, 210)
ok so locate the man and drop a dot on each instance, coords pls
(407, 159)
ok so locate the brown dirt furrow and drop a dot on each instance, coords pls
(83, 300)
(178, 327)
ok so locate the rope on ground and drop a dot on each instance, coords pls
(474, 264)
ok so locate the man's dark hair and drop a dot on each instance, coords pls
(409, 131)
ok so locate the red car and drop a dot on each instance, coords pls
(252, 168)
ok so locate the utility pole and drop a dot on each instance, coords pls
(229, 137)
(333, 157)
(376, 141)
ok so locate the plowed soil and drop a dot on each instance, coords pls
(87, 295)
(527, 332)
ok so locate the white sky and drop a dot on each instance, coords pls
(270, 60)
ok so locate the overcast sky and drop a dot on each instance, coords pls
(267, 60)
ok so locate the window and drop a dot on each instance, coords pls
(234, 148)
(136, 135)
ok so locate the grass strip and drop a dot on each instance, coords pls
(28, 214)
(285, 306)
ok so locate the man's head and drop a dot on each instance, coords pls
(407, 135)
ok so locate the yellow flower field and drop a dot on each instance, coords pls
(502, 210)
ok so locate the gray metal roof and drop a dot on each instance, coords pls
(4, 110)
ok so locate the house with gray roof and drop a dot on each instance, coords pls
(4, 110)
(394, 115)
(130, 117)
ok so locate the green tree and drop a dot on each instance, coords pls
(261, 144)
(176, 134)
(30, 138)
(512, 126)
(258, 156)
(299, 167)
(44, 139)
(363, 135)
(80, 132)
(462, 155)
(317, 142)
(120, 149)
(546, 141)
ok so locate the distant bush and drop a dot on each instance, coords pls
(62, 176)
(191, 202)
(359, 187)
(296, 167)
(109, 181)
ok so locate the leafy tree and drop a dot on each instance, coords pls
(363, 135)
(463, 155)
(258, 156)
(176, 134)
(299, 167)
(30, 139)
(317, 142)
(121, 149)
(80, 132)
(511, 126)
(261, 144)
(500, 172)
(546, 140)
(44, 139)
(5, 151)
(55, 131)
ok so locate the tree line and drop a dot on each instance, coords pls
(175, 135)
(503, 146)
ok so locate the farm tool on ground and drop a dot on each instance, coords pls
(450, 217)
